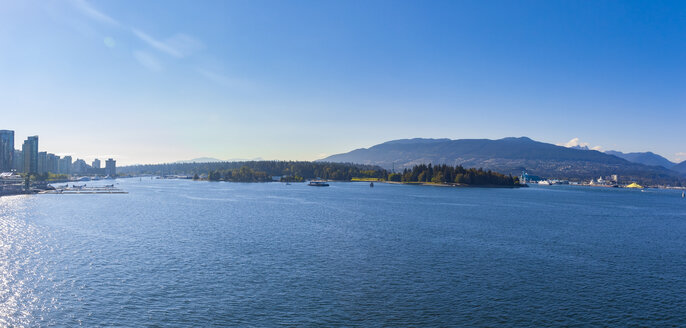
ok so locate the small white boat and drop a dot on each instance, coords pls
(315, 183)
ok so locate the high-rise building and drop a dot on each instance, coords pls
(52, 163)
(42, 162)
(18, 160)
(65, 165)
(30, 150)
(111, 168)
(6, 150)
(96, 164)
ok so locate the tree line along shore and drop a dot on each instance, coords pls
(297, 171)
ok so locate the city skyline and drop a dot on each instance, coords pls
(173, 81)
(30, 158)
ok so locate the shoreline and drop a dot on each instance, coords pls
(455, 185)
(433, 184)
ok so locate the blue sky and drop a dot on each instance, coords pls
(158, 81)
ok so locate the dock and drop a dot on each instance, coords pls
(66, 190)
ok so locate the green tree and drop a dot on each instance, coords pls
(395, 177)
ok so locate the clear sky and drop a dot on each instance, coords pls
(158, 81)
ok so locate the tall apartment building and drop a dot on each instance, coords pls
(18, 160)
(52, 164)
(111, 168)
(65, 165)
(42, 162)
(6, 150)
(30, 152)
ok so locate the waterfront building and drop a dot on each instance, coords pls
(96, 164)
(79, 166)
(18, 161)
(65, 165)
(111, 168)
(52, 164)
(6, 150)
(526, 178)
(11, 183)
(42, 162)
(30, 152)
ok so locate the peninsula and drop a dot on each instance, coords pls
(297, 171)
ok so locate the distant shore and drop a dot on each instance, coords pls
(434, 184)
(458, 185)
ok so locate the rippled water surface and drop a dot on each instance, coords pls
(184, 253)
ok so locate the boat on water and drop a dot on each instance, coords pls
(371, 184)
(315, 183)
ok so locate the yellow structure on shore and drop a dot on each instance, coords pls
(634, 185)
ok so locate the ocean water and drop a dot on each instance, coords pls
(200, 254)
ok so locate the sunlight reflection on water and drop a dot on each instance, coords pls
(21, 265)
(219, 254)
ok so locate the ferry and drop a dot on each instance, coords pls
(315, 183)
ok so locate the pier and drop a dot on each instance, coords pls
(74, 189)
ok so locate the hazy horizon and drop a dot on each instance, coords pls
(164, 81)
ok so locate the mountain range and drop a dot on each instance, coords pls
(213, 160)
(647, 158)
(681, 168)
(200, 160)
(514, 155)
